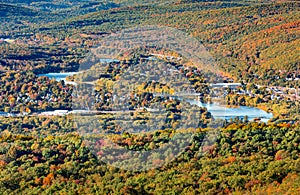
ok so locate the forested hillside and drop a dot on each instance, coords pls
(252, 42)
(10, 10)
(245, 159)
(58, 6)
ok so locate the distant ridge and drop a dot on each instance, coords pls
(13, 10)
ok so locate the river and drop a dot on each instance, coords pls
(60, 76)
(215, 109)
(223, 112)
